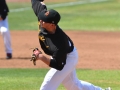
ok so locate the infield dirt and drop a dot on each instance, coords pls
(97, 50)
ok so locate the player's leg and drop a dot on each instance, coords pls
(4, 28)
(54, 77)
(71, 82)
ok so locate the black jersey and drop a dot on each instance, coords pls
(57, 45)
(3, 9)
(37, 6)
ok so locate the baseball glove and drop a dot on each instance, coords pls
(35, 55)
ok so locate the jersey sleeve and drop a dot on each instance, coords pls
(58, 59)
(37, 6)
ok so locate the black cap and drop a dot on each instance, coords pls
(50, 16)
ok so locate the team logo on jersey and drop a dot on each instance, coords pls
(42, 38)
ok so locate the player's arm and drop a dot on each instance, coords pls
(38, 55)
(57, 61)
(38, 6)
(44, 58)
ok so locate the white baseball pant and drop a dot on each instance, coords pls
(67, 76)
(4, 29)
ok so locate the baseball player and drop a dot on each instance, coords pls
(63, 54)
(4, 29)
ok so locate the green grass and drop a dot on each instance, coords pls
(31, 79)
(103, 16)
(99, 16)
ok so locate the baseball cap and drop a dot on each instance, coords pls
(50, 16)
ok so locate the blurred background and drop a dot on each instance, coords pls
(83, 15)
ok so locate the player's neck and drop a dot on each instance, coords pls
(52, 29)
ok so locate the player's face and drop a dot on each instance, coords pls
(48, 26)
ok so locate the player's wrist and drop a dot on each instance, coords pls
(37, 54)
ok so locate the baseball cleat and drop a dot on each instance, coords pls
(9, 56)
